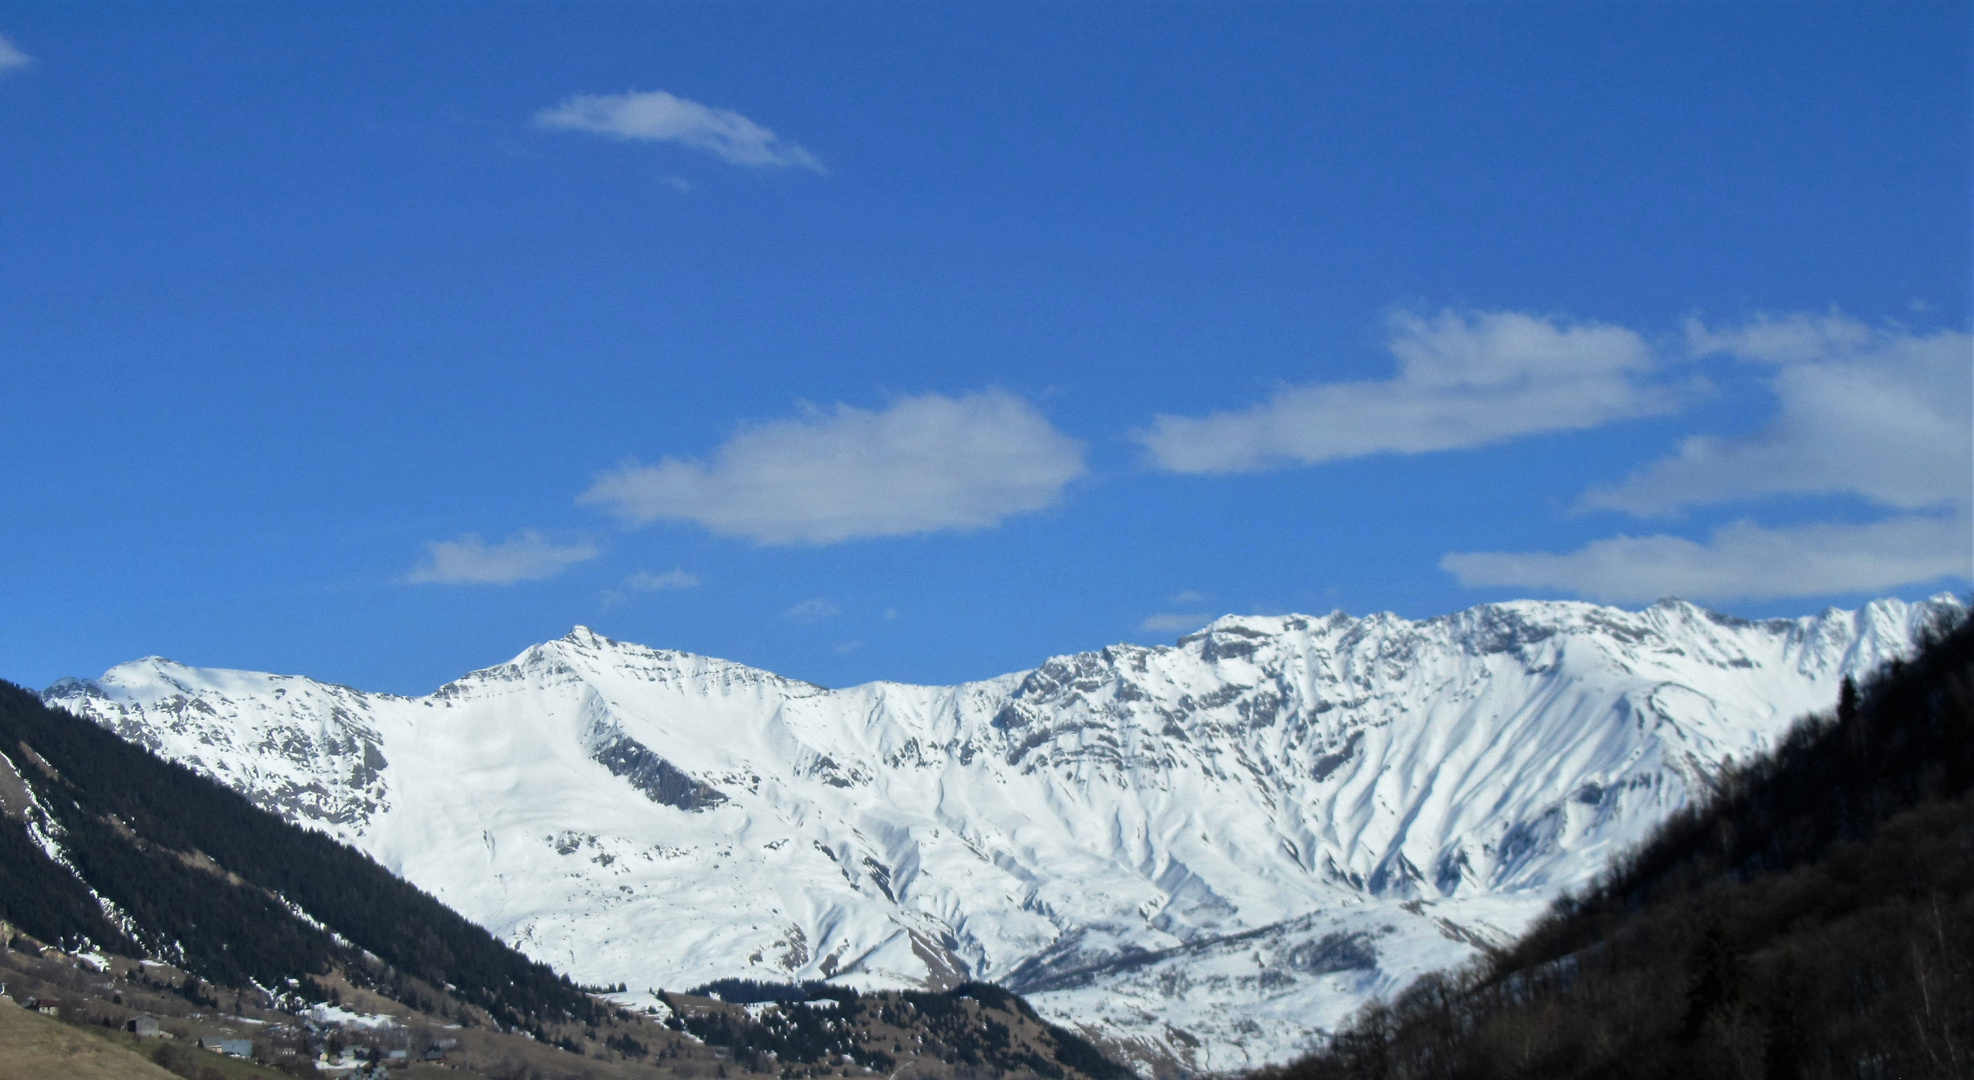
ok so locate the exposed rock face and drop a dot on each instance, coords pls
(1201, 852)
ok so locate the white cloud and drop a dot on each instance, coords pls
(525, 556)
(645, 581)
(1167, 622)
(1190, 596)
(923, 464)
(815, 609)
(1464, 380)
(1743, 561)
(1879, 413)
(1882, 414)
(655, 116)
(12, 57)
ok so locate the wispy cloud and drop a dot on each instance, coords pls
(12, 57)
(646, 581)
(1883, 414)
(814, 609)
(1880, 414)
(1188, 614)
(1464, 379)
(923, 464)
(1171, 622)
(656, 116)
(525, 556)
(1743, 561)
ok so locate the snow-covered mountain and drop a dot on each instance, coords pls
(1202, 854)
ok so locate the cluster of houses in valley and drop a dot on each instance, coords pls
(358, 1061)
(347, 1061)
(334, 1052)
(347, 1046)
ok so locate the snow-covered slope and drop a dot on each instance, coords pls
(1207, 852)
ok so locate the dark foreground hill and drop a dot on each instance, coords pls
(1814, 918)
(109, 845)
(131, 887)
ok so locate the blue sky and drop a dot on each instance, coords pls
(921, 342)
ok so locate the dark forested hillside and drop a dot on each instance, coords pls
(195, 873)
(1815, 918)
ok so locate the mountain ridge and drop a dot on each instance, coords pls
(1399, 789)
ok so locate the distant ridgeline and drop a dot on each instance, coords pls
(1813, 918)
(102, 843)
